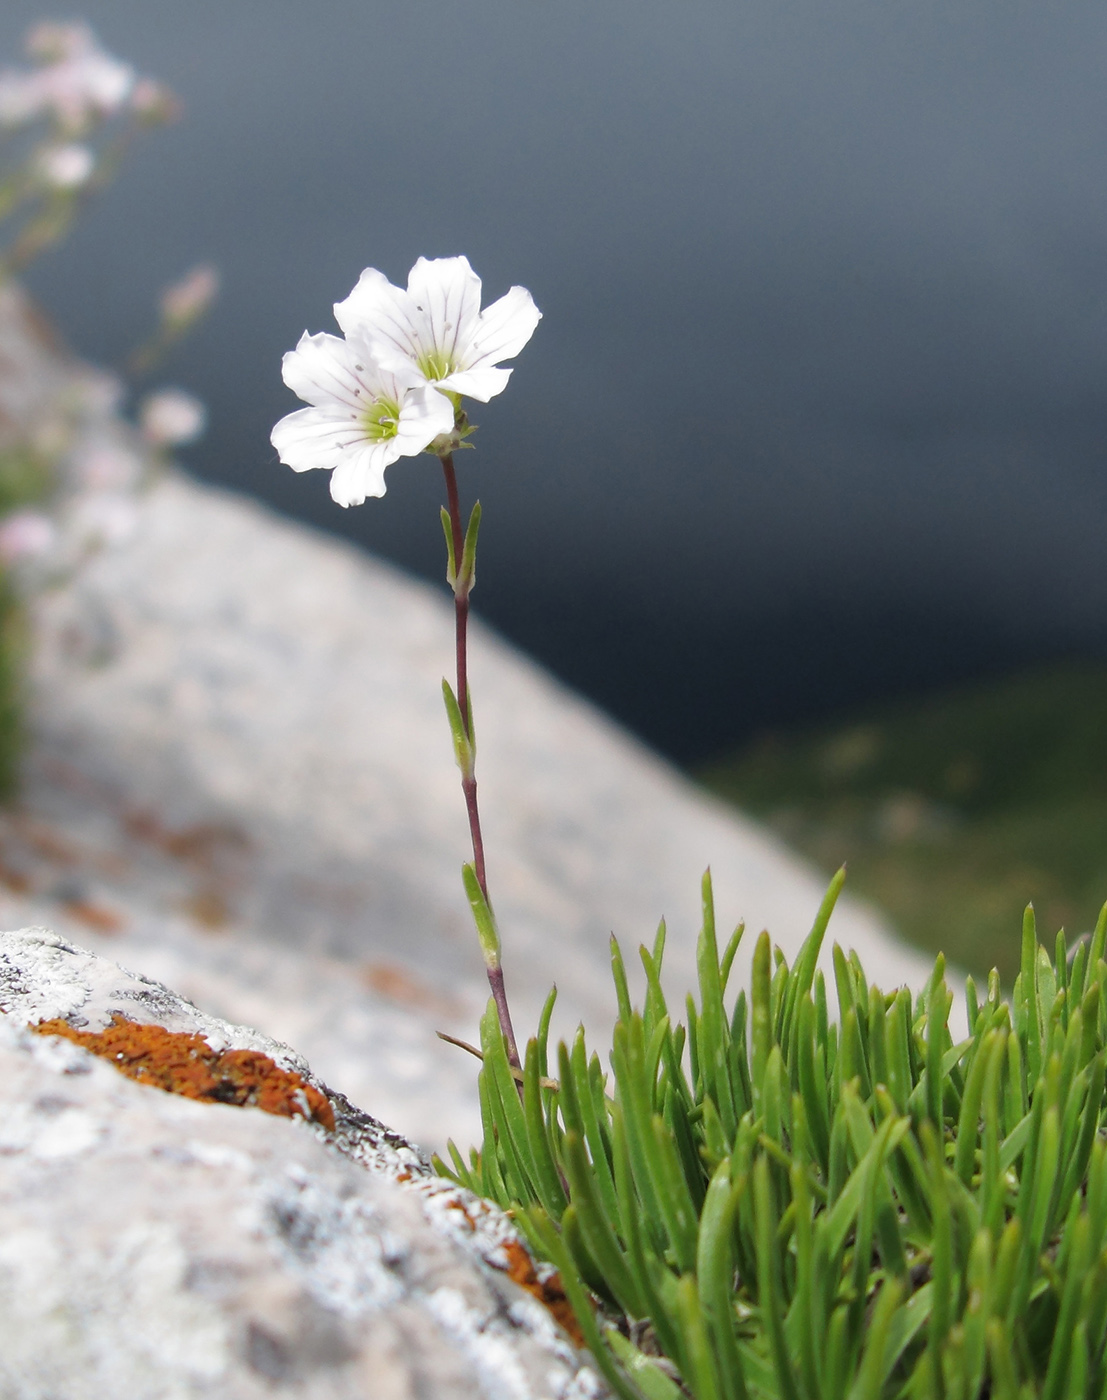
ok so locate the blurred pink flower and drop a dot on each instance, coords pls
(25, 534)
(184, 301)
(171, 418)
(153, 102)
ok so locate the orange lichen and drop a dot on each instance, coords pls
(183, 1063)
(548, 1291)
(96, 916)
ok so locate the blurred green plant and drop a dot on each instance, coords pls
(26, 478)
(953, 810)
(763, 1204)
(13, 652)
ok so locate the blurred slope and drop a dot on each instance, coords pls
(952, 811)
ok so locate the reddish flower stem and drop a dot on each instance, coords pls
(468, 780)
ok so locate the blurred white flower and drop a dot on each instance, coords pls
(25, 534)
(171, 418)
(105, 519)
(105, 466)
(437, 327)
(76, 79)
(65, 167)
(362, 417)
(184, 301)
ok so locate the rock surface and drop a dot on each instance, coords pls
(163, 1249)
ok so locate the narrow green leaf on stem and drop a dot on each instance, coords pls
(507, 1111)
(1001, 1354)
(641, 1370)
(600, 1238)
(487, 932)
(803, 973)
(1075, 1274)
(761, 1013)
(699, 1366)
(941, 1248)
(544, 1033)
(463, 746)
(1099, 940)
(618, 971)
(992, 1185)
(728, 955)
(937, 1010)
(554, 1250)
(768, 1281)
(587, 1122)
(968, 1126)
(1028, 985)
(451, 561)
(546, 1179)
(468, 575)
(897, 1052)
(870, 1375)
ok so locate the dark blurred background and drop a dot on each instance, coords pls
(817, 411)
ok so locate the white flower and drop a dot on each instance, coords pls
(437, 328)
(362, 417)
(76, 81)
(65, 167)
(25, 534)
(171, 418)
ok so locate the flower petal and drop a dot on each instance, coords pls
(326, 371)
(315, 437)
(424, 414)
(480, 384)
(503, 330)
(362, 474)
(383, 315)
(446, 296)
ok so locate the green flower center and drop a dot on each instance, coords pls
(381, 420)
(436, 364)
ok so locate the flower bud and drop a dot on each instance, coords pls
(186, 301)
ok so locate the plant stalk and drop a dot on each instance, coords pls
(462, 585)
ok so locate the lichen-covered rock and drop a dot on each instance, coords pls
(163, 1248)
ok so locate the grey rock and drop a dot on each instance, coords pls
(160, 1248)
(270, 683)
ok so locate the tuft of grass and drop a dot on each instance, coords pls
(767, 1203)
(953, 810)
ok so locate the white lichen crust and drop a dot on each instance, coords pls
(155, 1246)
